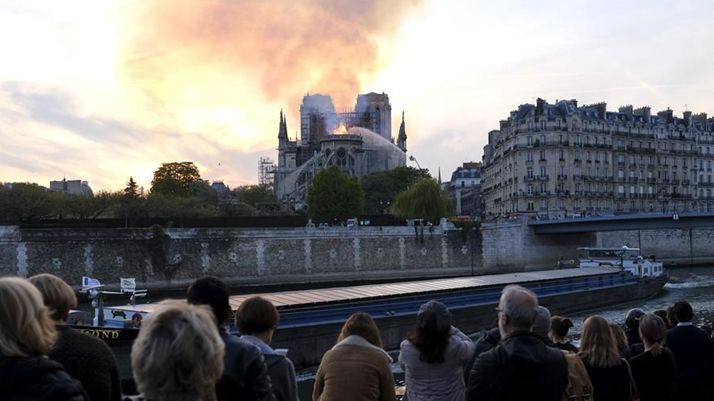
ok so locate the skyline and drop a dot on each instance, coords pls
(101, 92)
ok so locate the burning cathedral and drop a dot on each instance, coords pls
(359, 142)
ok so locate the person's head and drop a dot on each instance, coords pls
(25, 324)
(541, 325)
(652, 332)
(559, 327)
(178, 354)
(597, 344)
(212, 292)
(663, 315)
(361, 324)
(57, 295)
(517, 310)
(632, 319)
(683, 311)
(257, 316)
(432, 332)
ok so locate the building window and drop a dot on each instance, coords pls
(542, 155)
(560, 139)
(542, 171)
(530, 140)
(620, 189)
(562, 154)
(530, 189)
(530, 172)
(542, 187)
(530, 156)
(530, 205)
(542, 139)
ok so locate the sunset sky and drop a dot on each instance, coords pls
(104, 90)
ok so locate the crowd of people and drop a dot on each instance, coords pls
(184, 352)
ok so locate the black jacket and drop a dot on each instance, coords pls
(522, 367)
(37, 378)
(487, 340)
(89, 360)
(245, 376)
(694, 356)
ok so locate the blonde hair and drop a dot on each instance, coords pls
(653, 332)
(598, 345)
(178, 354)
(25, 324)
(58, 295)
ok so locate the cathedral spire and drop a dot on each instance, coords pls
(282, 131)
(402, 138)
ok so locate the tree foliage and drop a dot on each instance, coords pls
(255, 195)
(25, 201)
(423, 200)
(334, 195)
(175, 178)
(132, 189)
(381, 187)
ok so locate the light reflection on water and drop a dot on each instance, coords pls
(693, 284)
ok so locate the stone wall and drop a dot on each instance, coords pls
(169, 258)
(512, 245)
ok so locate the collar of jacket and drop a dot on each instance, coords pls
(361, 342)
(521, 333)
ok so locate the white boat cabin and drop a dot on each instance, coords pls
(626, 258)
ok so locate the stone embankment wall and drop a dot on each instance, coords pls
(170, 258)
(512, 244)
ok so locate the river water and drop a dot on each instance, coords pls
(693, 284)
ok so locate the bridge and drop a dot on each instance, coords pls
(643, 221)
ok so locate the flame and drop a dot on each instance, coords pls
(340, 130)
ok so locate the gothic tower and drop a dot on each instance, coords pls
(282, 133)
(402, 138)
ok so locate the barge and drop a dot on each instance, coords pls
(310, 320)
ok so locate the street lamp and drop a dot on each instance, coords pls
(412, 158)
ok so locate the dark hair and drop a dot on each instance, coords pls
(560, 325)
(256, 315)
(361, 324)
(212, 292)
(663, 315)
(683, 311)
(430, 342)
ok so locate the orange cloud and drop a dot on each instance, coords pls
(174, 50)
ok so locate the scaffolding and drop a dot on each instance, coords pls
(266, 171)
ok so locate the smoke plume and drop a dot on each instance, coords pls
(286, 47)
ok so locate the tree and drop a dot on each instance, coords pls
(87, 207)
(25, 201)
(381, 187)
(175, 178)
(255, 195)
(131, 190)
(423, 200)
(334, 195)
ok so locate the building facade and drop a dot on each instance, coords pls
(559, 160)
(465, 188)
(358, 142)
(71, 187)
